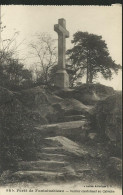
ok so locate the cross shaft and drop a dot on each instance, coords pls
(60, 28)
(62, 78)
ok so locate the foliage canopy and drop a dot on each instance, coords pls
(90, 56)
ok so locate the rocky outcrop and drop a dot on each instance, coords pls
(70, 110)
(88, 94)
(114, 167)
(48, 134)
(50, 106)
(107, 119)
(5, 95)
(68, 145)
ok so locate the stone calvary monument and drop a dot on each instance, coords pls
(62, 78)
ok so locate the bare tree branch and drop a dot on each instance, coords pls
(44, 50)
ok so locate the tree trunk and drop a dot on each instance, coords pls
(91, 78)
(90, 75)
(87, 79)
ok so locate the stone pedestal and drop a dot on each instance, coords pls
(62, 79)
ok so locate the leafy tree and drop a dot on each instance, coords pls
(90, 56)
(13, 75)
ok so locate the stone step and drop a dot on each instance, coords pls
(53, 150)
(44, 143)
(73, 129)
(68, 147)
(41, 176)
(37, 176)
(64, 125)
(49, 156)
(42, 165)
(74, 118)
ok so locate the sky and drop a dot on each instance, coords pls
(101, 20)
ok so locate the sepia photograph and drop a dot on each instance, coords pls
(60, 99)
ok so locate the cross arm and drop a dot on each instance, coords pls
(60, 30)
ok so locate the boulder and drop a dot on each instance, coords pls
(13, 110)
(5, 95)
(70, 107)
(88, 94)
(69, 145)
(107, 119)
(114, 167)
(40, 100)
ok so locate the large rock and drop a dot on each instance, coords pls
(72, 106)
(39, 99)
(68, 145)
(107, 118)
(37, 96)
(5, 95)
(88, 94)
(14, 110)
(114, 167)
(70, 110)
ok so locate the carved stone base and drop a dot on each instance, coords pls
(62, 79)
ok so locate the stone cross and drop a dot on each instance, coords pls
(62, 78)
